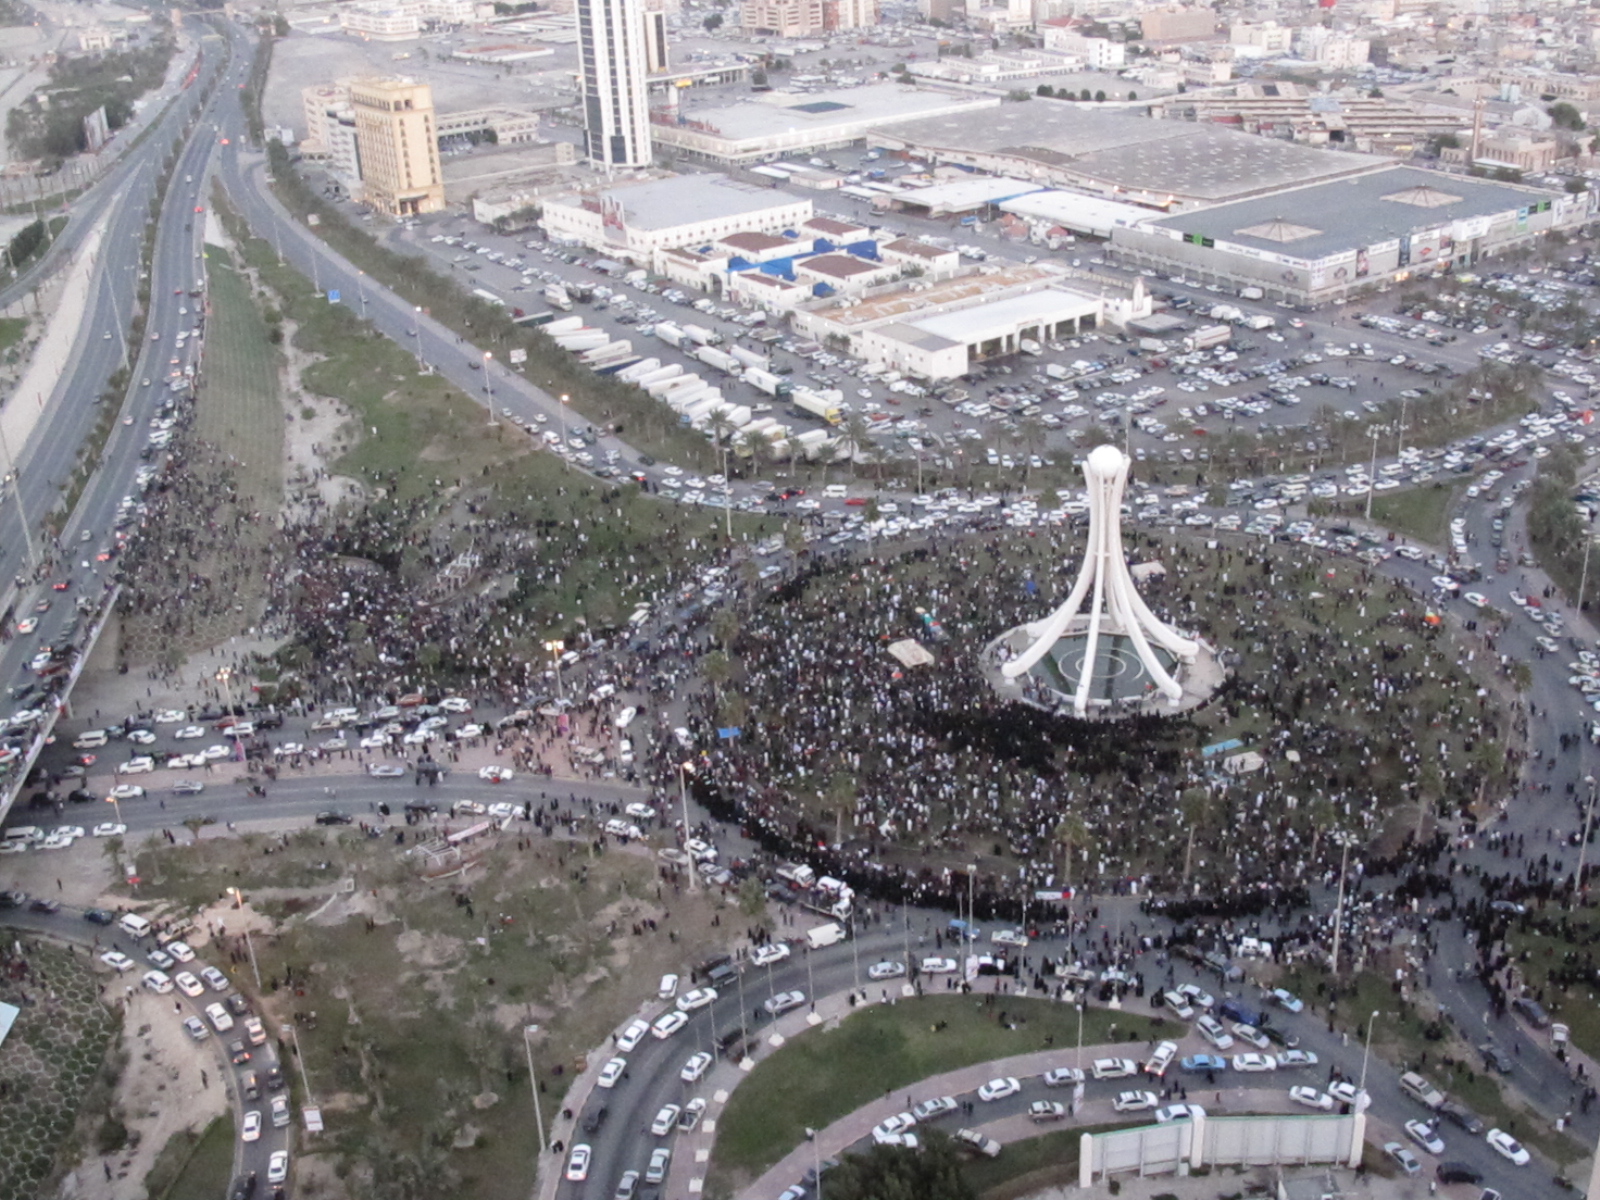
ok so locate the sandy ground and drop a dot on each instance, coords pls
(163, 1091)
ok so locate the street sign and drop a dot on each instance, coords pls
(517, 357)
(333, 297)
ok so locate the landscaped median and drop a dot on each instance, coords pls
(826, 1073)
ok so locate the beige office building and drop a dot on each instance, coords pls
(399, 146)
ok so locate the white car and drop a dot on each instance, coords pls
(938, 966)
(1288, 1000)
(578, 1163)
(1508, 1147)
(251, 1130)
(110, 829)
(280, 1112)
(1253, 1036)
(1114, 1068)
(630, 1037)
(495, 774)
(1346, 1092)
(215, 979)
(220, 1020)
(142, 765)
(697, 999)
(611, 1073)
(189, 733)
(890, 1130)
(766, 956)
(1134, 1101)
(668, 987)
(117, 960)
(784, 1002)
(1197, 996)
(695, 1069)
(1424, 1134)
(1403, 1158)
(1046, 1110)
(1009, 937)
(668, 1024)
(1254, 1062)
(127, 791)
(180, 951)
(1296, 1058)
(928, 1110)
(1179, 1112)
(158, 982)
(886, 970)
(1062, 1077)
(1311, 1098)
(170, 716)
(278, 1166)
(456, 704)
(188, 984)
(666, 1120)
(999, 1089)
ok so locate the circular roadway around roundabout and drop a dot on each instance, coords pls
(1006, 1120)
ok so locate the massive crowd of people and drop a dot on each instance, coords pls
(903, 776)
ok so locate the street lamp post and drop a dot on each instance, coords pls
(683, 799)
(1372, 471)
(1583, 842)
(1338, 908)
(566, 453)
(1366, 1050)
(488, 382)
(555, 646)
(416, 331)
(533, 1083)
(224, 674)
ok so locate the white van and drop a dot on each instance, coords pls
(134, 925)
(824, 935)
(835, 491)
(25, 835)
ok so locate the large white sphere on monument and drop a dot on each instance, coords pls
(1105, 461)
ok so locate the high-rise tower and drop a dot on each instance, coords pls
(616, 112)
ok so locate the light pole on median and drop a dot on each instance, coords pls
(556, 646)
(488, 382)
(1366, 1050)
(1372, 470)
(1345, 838)
(684, 768)
(533, 1083)
(566, 453)
(416, 331)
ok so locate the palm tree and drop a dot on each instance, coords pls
(1070, 833)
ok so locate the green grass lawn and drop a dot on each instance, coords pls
(821, 1075)
(239, 407)
(12, 330)
(1030, 1166)
(204, 1165)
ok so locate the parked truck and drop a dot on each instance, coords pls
(580, 340)
(563, 325)
(766, 381)
(669, 333)
(614, 367)
(638, 369)
(1258, 322)
(807, 401)
(660, 387)
(1152, 345)
(750, 358)
(1251, 293)
(660, 375)
(1207, 336)
(556, 297)
(609, 350)
(1227, 313)
(701, 336)
(1057, 371)
(712, 357)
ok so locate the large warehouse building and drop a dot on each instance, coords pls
(777, 123)
(1328, 240)
(639, 221)
(1165, 165)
